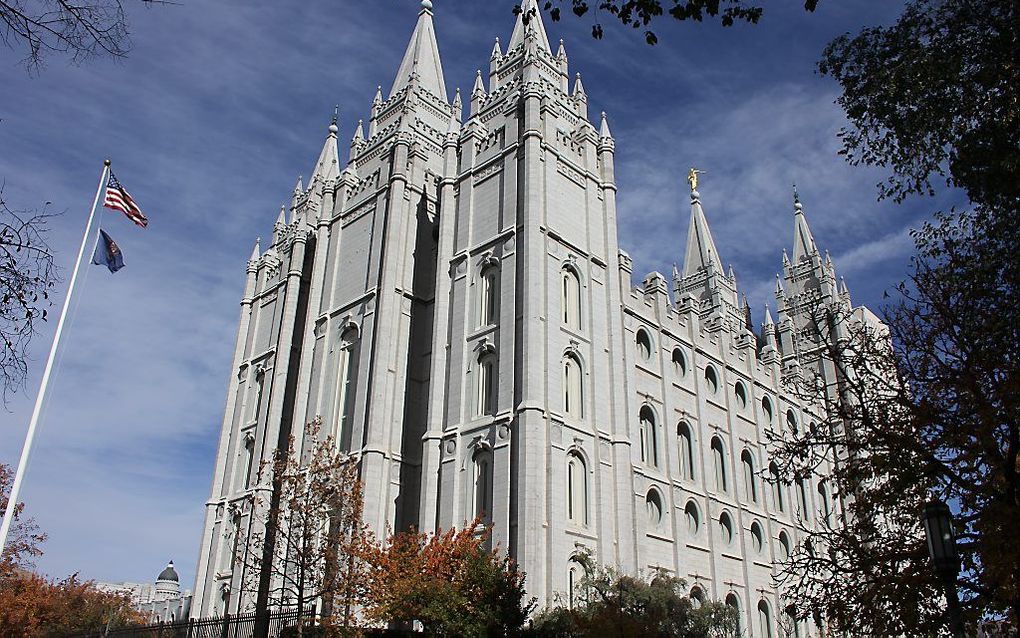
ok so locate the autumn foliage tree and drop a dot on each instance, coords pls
(24, 538)
(317, 530)
(33, 607)
(448, 582)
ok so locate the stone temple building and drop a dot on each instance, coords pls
(452, 300)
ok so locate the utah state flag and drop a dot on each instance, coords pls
(108, 253)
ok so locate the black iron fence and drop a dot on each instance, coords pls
(281, 623)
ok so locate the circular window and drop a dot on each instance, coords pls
(712, 379)
(693, 519)
(741, 393)
(644, 344)
(679, 362)
(726, 527)
(653, 504)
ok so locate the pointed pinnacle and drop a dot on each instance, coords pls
(604, 127)
(256, 250)
(377, 100)
(561, 53)
(479, 85)
(359, 133)
(298, 188)
(496, 51)
(768, 317)
(458, 104)
(579, 87)
(282, 219)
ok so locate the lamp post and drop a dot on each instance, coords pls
(938, 528)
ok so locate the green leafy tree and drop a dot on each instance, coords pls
(610, 604)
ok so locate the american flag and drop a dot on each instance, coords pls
(118, 199)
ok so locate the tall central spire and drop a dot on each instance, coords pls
(530, 11)
(701, 253)
(422, 57)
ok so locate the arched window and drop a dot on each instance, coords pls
(679, 362)
(767, 411)
(697, 597)
(791, 421)
(482, 461)
(575, 576)
(577, 489)
(784, 547)
(488, 295)
(686, 448)
(726, 528)
(346, 384)
(719, 464)
(571, 298)
(777, 487)
(573, 396)
(711, 379)
(731, 600)
(750, 485)
(823, 498)
(486, 385)
(740, 393)
(693, 518)
(792, 624)
(653, 506)
(802, 502)
(249, 458)
(644, 344)
(757, 538)
(649, 437)
(260, 384)
(764, 620)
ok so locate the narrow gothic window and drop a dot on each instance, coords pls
(719, 464)
(777, 487)
(573, 399)
(697, 597)
(649, 437)
(249, 457)
(260, 383)
(764, 620)
(732, 601)
(802, 497)
(571, 299)
(343, 403)
(483, 486)
(750, 486)
(766, 410)
(686, 446)
(577, 490)
(486, 385)
(784, 546)
(791, 421)
(575, 574)
(488, 297)
(823, 495)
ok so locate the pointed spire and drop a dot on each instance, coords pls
(579, 92)
(701, 253)
(803, 241)
(421, 59)
(357, 141)
(533, 14)
(732, 275)
(256, 250)
(327, 167)
(497, 53)
(378, 99)
(281, 219)
(458, 105)
(561, 53)
(479, 87)
(299, 190)
(768, 317)
(676, 272)
(786, 259)
(843, 290)
(780, 293)
(604, 127)
(747, 315)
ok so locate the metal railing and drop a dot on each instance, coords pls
(227, 626)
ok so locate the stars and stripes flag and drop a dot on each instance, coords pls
(117, 198)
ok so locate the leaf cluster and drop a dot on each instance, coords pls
(935, 96)
(24, 537)
(610, 604)
(448, 582)
(34, 607)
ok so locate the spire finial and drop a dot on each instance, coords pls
(426, 4)
(692, 179)
(336, 116)
(797, 206)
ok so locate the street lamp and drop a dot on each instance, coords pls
(938, 528)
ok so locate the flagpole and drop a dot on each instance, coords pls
(12, 503)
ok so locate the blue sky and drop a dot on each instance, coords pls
(220, 106)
